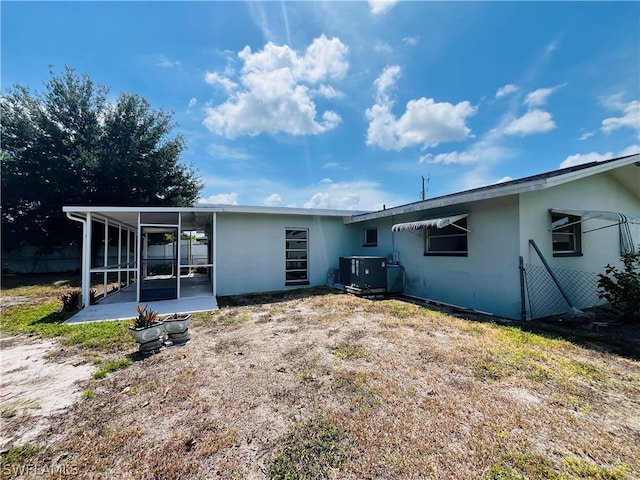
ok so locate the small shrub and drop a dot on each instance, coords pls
(71, 300)
(621, 288)
(146, 317)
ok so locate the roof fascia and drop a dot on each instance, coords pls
(497, 191)
(217, 209)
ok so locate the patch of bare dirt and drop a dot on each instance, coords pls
(34, 388)
(8, 301)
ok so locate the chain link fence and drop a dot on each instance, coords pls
(545, 298)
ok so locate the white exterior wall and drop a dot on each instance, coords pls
(251, 250)
(488, 279)
(598, 192)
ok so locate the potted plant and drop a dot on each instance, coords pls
(177, 327)
(147, 328)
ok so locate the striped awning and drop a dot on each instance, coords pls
(622, 220)
(616, 217)
(432, 222)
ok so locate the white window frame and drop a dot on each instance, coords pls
(566, 226)
(453, 231)
(287, 250)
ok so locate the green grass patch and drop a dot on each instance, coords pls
(522, 466)
(111, 367)
(577, 468)
(404, 310)
(46, 320)
(346, 351)
(17, 455)
(87, 394)
(308, 451)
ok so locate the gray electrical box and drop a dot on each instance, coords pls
(364, 275)
(395, 278)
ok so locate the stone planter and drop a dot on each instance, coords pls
(148, 337)
(177, 328)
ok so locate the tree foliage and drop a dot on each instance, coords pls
(69, 146)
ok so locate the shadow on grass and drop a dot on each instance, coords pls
(615, 337)
(272, 297)
(54, 318)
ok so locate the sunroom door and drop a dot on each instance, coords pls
(159, 263)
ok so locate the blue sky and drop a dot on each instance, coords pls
(348, 104)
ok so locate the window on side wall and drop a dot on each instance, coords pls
(370, 237)
(566, 235)
(296, 256)
(450, 240)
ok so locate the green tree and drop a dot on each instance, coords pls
(69, 146)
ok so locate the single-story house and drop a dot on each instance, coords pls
(520, 249)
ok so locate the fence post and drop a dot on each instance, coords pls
(553, 276)
(523, 300)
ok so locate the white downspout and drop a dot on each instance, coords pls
(86, 258)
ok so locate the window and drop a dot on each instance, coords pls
(566, 235)
(296, 256)
(370, 237)
(448, 240)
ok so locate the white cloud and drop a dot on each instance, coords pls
(630, 150)
(385, 82)
(382, 47)
(506, 90)
(424, 122)
(221, 199)
(480, 152)
(357, 195)
(225, 152)
(163, 61)
(412, 41)
(535, 121)
(579, 159)
(193, 102)
(539, 97)
(379, 7)
(630, 118)
(503, 180)
(214, 78)
(273, 200)
(327, 91)
(277, 86)
(586, 135)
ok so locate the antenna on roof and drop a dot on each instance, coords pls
(425, 188)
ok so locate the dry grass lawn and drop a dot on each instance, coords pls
(326, 385)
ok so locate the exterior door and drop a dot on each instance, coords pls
(159, 263)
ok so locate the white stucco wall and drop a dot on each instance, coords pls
(487, 279)
(251, 250)
(598, 192)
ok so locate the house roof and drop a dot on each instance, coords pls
(129, 215)
(512, 187)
